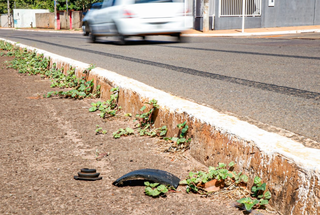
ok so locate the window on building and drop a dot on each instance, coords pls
(271, 3)
(234, 7)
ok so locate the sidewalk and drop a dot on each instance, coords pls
(255, 31)
(215, 33)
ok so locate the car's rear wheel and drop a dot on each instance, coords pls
(86, 29)
(178, 37)
(121, 39)
(93, 38)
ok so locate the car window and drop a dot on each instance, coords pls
(109, 3)
(96, 5)
(151, 1)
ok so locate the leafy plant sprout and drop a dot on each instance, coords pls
(82, 88)
(123, 132)
(128, 114)
(220, 173)
(179, 142)
(109, 107)
(260, 195)
(145, 124)
(99, 130)
(145, 118)
(91, 67)
(155, 189)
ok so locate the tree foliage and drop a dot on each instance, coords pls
(46, 4)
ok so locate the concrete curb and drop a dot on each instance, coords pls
(291, 170)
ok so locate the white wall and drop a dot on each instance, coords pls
(4, 20)
(24, 17)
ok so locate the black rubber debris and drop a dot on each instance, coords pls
(152, 175)
(88, 175)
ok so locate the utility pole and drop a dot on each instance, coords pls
(243, 12)
(205, 22)
(9, 19)
(67, 16)
(55, 14)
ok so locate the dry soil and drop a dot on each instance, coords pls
(45, 142)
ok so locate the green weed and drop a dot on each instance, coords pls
(99, 130)
(182, 134)
(145, 123)
(220, 173)
(155, 189)
(109, 107)
(260, 196)
(122, 132)
(82, 88)
(29, 63)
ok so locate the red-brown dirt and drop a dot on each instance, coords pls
(45, 142)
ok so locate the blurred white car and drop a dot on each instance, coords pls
(85, 26)
(125, 18)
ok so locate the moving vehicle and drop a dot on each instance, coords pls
(85, 26)
(125, 18)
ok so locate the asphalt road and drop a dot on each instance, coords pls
(269, 81)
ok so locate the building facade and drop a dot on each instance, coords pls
(227, 14)
(26, 18)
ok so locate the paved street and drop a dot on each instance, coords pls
(269, 81)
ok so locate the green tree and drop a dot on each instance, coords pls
(46, 4)
(3, 6)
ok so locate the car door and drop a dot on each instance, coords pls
(103, 19)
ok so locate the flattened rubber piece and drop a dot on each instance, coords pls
(88, 175)
(87, 179)
(152, 175)
(87, 170)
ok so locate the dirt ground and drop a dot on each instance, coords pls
(45, 142)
